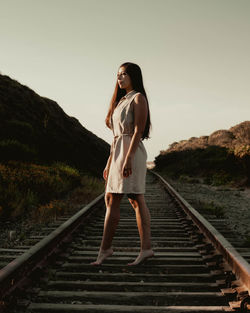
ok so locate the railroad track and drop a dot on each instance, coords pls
(195, 269)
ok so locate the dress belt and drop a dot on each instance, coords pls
(117, 136)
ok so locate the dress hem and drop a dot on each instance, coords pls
(126, 193)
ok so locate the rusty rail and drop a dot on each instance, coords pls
(240, 267)
(13, 274)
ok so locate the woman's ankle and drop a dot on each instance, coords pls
(105, 250)
(102, 255)
(143, 251)
(146, 249)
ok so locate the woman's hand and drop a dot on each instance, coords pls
(105, 173)
(106, 170)
(127, 167)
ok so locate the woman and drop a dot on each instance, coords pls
(125, 172)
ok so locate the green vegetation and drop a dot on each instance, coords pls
(210, 208)
(13, 149)
(36, 129)
(219, 159)
(40, 190)
(49, 162)
(188, 179)
(217, 165)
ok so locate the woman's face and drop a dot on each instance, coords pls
(123, 78)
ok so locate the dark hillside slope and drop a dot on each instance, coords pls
(36, 129)
(222, 157)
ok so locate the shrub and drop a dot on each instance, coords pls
(18, 130)
(210, 208)
(15, 202)
(24, 185)
(217, 164)
(49, 211)
(11, 149)
(91, 184)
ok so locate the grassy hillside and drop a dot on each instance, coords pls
(44, 154)
(221, 158)
(34, 128)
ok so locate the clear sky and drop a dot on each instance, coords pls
(194, 56)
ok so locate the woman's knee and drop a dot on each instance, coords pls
(113, 206)
(137, 201)
(133, 203)
(113, 199)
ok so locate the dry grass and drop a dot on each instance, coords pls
(43, 191)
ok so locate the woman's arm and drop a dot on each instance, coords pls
(140, 119)
(106, 170)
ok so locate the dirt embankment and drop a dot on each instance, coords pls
(233, 202)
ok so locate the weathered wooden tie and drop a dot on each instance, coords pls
(179, 278)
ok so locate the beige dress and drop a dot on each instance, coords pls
(122, 124)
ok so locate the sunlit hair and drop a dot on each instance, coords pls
(134, 72)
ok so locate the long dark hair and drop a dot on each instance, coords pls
(135, 74)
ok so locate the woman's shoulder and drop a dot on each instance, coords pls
(139, 97)
(140, 102)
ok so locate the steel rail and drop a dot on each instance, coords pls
(240, 267)
(13, 274)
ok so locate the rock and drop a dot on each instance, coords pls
(12, 235)
(236, 137)
(222, 138)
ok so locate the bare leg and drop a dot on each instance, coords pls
(112, 218)
(143, 224)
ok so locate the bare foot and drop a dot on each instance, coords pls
(144, 254)
(102, 255)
